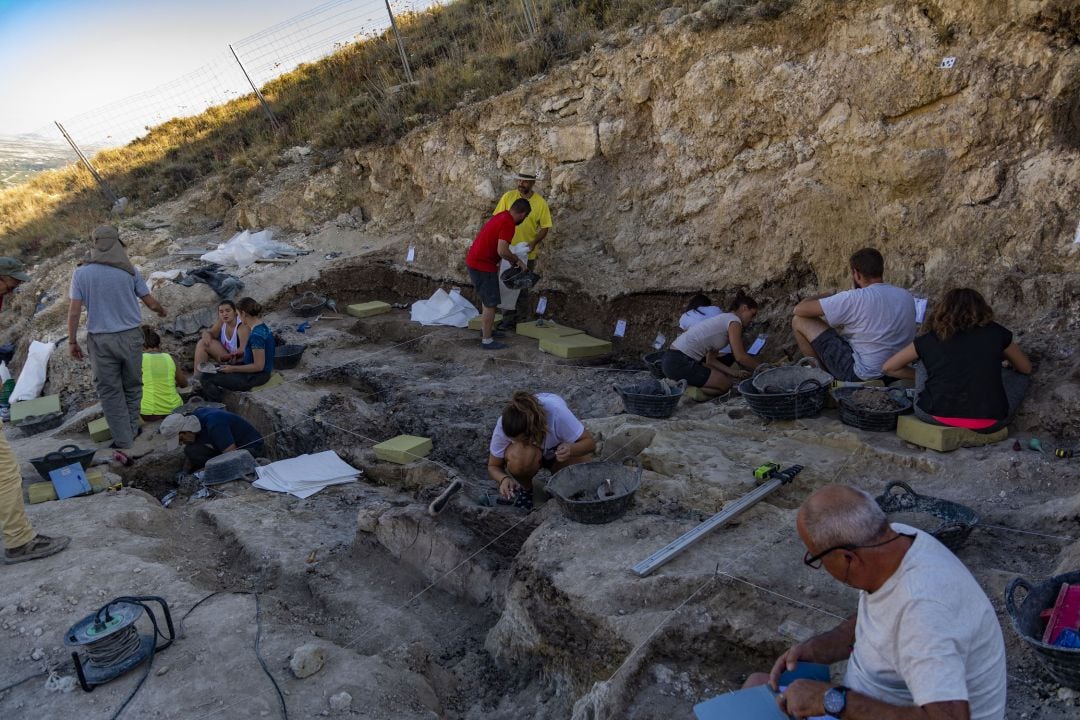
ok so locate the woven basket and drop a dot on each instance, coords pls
(788, 378)
(806, 401)
(957, 521)
(652, 398)
(286, 357)
(855, 415)
(581, 490)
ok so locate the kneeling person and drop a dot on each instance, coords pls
(208, 432)
(710, 353)
(534, 432)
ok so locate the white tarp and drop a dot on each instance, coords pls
(507, 297)
(444, 308)
(305, 475)
(245, 248)
(34, 370)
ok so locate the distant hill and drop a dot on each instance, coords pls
(21, 156)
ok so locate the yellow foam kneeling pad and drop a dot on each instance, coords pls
(275, 380)
(697, 394)
(362, 310)
(941, 437)
(99, 430)
(477, 322)
(575, 346)
(35, 408)
(40, 492)
(403, 449)
(547, 330)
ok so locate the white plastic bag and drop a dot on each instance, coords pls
(507, 296)
(245, 248)
(5, 374)
(444, 308)
(34, 371)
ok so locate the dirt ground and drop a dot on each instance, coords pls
(482, 611)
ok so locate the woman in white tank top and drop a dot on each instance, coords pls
(224, 342)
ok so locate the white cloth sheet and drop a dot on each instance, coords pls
(444, 308)
(305, 475)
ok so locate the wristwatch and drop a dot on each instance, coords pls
(836, 701)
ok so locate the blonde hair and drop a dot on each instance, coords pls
(524, 415)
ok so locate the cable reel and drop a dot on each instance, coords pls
(111, 642)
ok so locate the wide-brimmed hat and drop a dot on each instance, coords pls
(107, 249)
(13, 267)
(527, 174)
(174, 424)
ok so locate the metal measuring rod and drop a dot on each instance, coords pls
(776, 478)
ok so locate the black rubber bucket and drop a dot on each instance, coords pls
(856, 415)
(653, 361)
(651, 399)
(66, 455)
(308, 304)
(286, 357)
(585, 494)
(957, 521)
(41, 423)
(1063, 664)
(805, 402)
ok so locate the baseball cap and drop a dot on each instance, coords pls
(13, 267)
(174, 424)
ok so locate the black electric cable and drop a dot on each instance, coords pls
(25, 679)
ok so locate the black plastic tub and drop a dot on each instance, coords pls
(595, 492)
(805, 402)
(41, 423)
(308, 304)
(63, 457)
(652, 398)
(856, 415)
(286, 357)
(653, 361)
(1063, 664)
(957, 521)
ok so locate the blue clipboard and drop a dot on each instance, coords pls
(70, 481)
(757, 703)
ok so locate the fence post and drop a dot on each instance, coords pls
(265, 105)
(400, 44)
(102, 185)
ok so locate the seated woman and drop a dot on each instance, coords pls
(960, 380)
(699, 308)
(705, 355)
(224, 342)
(535, 431)
(160, 378)
(258, 360)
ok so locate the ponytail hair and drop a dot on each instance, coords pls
(524, 415)
(698, 301)
(248, 306)
(743, 300)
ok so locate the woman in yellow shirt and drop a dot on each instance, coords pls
(161, 377)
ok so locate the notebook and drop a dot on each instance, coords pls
(70, 481)
(757, 703)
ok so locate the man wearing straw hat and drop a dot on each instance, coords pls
(21, 543)
(527, 238)
(110, 288)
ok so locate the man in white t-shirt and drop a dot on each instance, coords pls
(877, 320)
(925, 643)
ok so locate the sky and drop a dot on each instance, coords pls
(59, 58)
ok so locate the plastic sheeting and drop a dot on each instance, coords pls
(444, 308)
(305, 475)
(508, 297)
(244, 248)
(34, 372)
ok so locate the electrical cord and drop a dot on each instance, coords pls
(20, 682)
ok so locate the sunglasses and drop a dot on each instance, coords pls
(814, 561)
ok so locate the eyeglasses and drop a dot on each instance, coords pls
(815, 561)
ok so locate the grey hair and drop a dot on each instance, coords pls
(854, 520)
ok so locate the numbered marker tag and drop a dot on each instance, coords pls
(758, 343)
(620, 328)
(920, 309)
(411, 255)
(1077, 240)
(947, 63)
(541, 305)
(658, 343)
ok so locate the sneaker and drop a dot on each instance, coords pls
(41, 546)
(497, 333)
(493, 346)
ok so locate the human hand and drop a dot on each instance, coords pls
(563, 452)
(225, 368)
(161, 311)
(803, 698)
(741, 374)
(75, 350)
(786, 662)
(508, 486)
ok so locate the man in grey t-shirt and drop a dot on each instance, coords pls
(876, 319)
(110, 288)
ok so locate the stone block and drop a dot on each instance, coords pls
(275, 380)
(36, 407)
(40, 492)
(547, 330)
(475, 323)
(403, 449)
(99, 430)
(575, 346)
(363, 310)
(942, 438)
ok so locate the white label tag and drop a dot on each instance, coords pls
(658, 343)
(620, 328)
(947, 63)
(541, 305)
(411, 255)
(759, 343)
(1077, 240)
(920, 309)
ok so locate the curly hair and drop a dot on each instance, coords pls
(524, 415)
(961, 309)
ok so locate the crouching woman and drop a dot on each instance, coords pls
(534, 432)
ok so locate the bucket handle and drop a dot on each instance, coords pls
(808, 362)
(907, 498)
(1010, 603)
(810, 384)
(762, 368)
(64, 450)
(54, 455)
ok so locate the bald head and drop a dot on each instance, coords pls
(838, 515)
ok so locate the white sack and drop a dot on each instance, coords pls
(444, 308)
(34, 371)
(245, 248)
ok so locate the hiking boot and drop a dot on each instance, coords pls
(41, 546)
(493, 346)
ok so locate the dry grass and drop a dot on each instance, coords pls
(465, 51)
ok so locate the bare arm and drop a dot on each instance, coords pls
(540, 235)
(151, 302)
(898, 366)
(1018, 359)
(181, 377)
(810, 307)
(74, 313)
(258, 362)
(826, 648)
(806, 698)
(584, 445)
(738, 349)
(496, 467)
(508, 255)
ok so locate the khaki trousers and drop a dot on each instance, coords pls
(13, 520)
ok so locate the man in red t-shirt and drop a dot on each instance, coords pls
(492, 243)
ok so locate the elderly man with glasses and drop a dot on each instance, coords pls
(925, 642)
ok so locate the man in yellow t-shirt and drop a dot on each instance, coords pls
(531, 232)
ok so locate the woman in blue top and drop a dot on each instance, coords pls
(258, 362)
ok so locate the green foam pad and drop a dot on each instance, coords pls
(575, 346)
(403, 449)
(941, 437)
(362, 310)
(275, 380)
(477, 322)
(40, 492)
(547, 330)
(99, 430)
(36, 407)
(697, 394)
